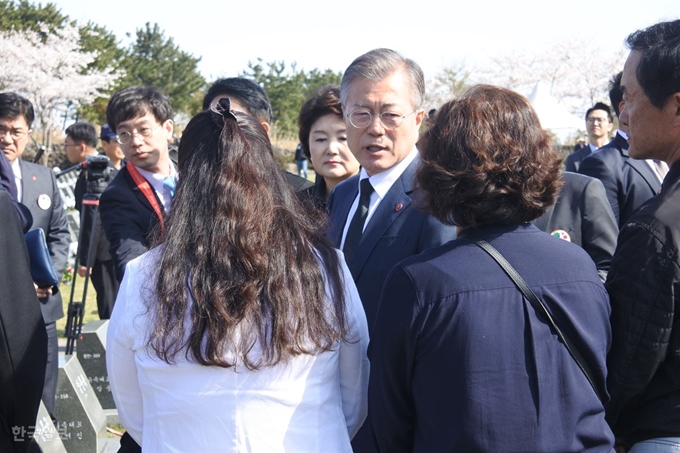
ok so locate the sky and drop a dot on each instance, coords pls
(227, 34)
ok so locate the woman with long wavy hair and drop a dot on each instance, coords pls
(242, 330)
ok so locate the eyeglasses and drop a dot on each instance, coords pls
(597, 120)
(389, 120)
(125, 137)
(16, 134)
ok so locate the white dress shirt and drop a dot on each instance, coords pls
(16, 168)
(382, 183)
(156, 182)
(313, 403)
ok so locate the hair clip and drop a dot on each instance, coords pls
(223, 109)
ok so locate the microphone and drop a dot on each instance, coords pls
(39, 154)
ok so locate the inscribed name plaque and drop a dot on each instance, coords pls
(46, 434)
(81, 422)
(91, 351)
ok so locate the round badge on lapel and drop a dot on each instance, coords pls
(561, 234)
(44, 202)
(398, 207)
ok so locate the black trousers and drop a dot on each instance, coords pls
(49, 395)
(106, 285)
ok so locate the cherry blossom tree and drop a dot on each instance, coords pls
(53, 72)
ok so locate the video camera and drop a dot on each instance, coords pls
(98, 173)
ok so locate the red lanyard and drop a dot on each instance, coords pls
(146, 189)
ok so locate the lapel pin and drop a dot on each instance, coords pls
(561, 234)
(398, 207)
(34, 178)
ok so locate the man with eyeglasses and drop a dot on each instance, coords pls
(373, 216)
(37, 190)
(138, 198)
(599, 123)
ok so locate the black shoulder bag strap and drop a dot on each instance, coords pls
(539, 307)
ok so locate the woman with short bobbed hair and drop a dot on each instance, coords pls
(460, 359)
(323, 136)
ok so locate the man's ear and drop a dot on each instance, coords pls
(266, 126)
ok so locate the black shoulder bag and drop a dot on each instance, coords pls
(539, 307)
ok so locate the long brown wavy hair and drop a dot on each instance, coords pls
(241, 264)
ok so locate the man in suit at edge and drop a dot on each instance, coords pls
(248, 97)
(23, 339)
(598, 125)
(582, 215)
(37, 190)
(381, 94)
(628, 182)
(134, 205)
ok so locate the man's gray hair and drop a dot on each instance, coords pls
(377, 65)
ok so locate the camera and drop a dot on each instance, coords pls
(98, 173)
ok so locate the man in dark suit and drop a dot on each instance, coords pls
(374, 217)
(23, 340)
(134, 205)
(248, 97)
(382, 94)
(37, 190)
(598, 125)
(81, 142)
(628, 182)
(583, 216)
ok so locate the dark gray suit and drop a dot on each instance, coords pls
(583, 212)
(41, 196)
(573, 160)
(23, 342)
(628, 182)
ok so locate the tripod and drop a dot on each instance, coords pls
(97, 180)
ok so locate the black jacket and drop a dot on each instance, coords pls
(644, 286)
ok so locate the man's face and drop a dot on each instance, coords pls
(375, 147)
(598, 125)
(15, 135)
(149, 152)
(652, 133)
(112, 150)
(74, 151)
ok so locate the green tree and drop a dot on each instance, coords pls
(154, 60)
(23, 15)
(287, 89)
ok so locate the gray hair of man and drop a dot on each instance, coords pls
(377, 65)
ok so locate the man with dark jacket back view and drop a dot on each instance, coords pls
(644, 279)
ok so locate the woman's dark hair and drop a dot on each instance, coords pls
(325, 100)
(486, 160)
(241, 256)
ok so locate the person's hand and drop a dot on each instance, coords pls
(42, 292)
(82, 271)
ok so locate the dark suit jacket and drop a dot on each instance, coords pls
(573, 160)
(38, 182)
(23, 341)
(583, 212)
(628, 182)
(396, 231)
(128, 219)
